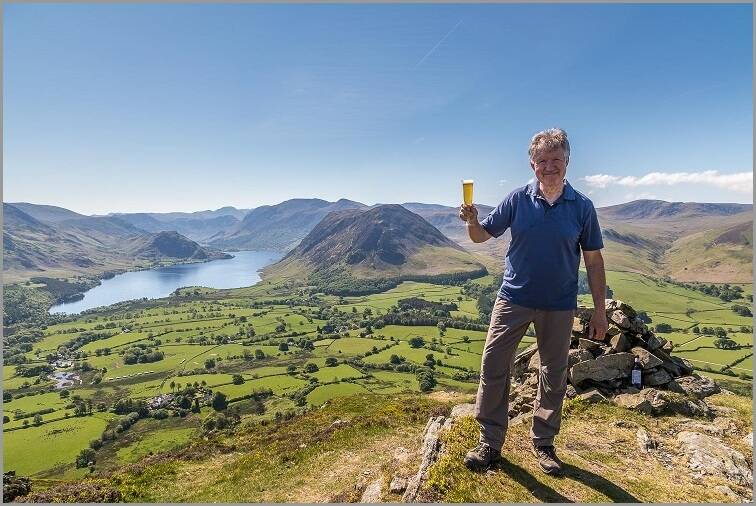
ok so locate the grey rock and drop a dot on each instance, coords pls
(729, 493)
(619, 343)
(588, 344)
(534, 363)
(460, 410)
(578, 355)
(697, 386)
(571, 392)
(430, 449)
(613, 330)
(584, 314)
(616, 304)
(645, 358)
(636, 402)
(657, 377)
(657, 402)
(605, 367)
(372, 493)
(621, 320)
(592, 395)
(709, 456)
(654, 342)
(645, 441)
(748, 439)
(520, 364)
(398, 485)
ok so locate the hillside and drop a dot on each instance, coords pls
(714, 241)
(279, 227)
(68, 244)
(386, 241)
(369, 448)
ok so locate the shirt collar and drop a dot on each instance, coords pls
(568, 193)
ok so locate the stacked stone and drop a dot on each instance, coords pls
(601, 369)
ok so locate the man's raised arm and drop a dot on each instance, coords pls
(469, 214)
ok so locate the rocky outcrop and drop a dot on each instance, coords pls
(600, 369)
(707, 455)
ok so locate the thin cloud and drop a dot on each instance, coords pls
(438, 44)
(739, 181)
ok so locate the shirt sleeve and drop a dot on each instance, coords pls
(590, 236)
(499, 219)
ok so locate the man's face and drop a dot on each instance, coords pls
(550, 166)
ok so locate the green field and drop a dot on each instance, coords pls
(194, 330)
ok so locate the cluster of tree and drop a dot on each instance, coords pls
(28, 371)
(419, 318)
(725, 343)
(337, 281)
(19, 342)
(220, 421)
(142, 354)
(725, 291)
(710, 331)
(88, 337)
(664, 328)
(435, 308)
(742, 310)
(426, 378)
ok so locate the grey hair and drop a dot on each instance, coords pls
(548, 140)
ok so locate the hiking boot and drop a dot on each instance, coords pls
(547, 459)
(481, 457)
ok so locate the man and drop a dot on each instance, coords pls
(550, 223)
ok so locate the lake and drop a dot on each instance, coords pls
(162, 281)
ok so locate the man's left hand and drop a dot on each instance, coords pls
(598, 326)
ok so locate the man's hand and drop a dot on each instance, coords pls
(598, 326)
(468, 213)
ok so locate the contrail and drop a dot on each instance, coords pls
(438, 43)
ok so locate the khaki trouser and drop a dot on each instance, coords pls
(508, 324)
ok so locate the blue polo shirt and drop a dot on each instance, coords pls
(541, 266)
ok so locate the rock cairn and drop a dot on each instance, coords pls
(601, 369)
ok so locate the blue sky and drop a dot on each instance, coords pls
(121, 108)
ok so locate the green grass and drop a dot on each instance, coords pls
(158, 441)
(327, 392)
(36, 449)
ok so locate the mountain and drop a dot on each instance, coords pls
(689, 241)
(168, 244)
(385, 241)
(50, 241)
(45, 213)
(198, 226)
(278, 227)
(645, 209)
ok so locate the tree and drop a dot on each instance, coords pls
(173, 386)
(209, 363)
(426, 379)
(696, 330)
(416, 342)
(237, 379)
(259, 354)
(331, 361)
(37, 419)
(84, 458)
(725, 343)
(283, 347)
(663, 327)
(311, 367)
(219, 401)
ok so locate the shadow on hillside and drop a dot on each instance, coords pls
(545, 493)
(599, 483)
